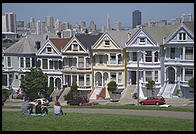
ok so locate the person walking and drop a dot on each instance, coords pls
(57, 108)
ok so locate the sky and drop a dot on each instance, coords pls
(75, 12)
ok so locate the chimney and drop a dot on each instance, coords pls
(129, 36)
(37, 45)
(59, 34)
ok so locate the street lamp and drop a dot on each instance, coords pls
(139, 53)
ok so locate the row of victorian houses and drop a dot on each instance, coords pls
(163, 54)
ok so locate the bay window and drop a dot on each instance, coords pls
(148, 75)
(189, 53)
(112, 58)
(148, 56)
(188, 74)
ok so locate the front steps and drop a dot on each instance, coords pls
(168, 90)
(179, 102)
(126, 98)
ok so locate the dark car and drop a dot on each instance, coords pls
(78, 101)
(155, 100)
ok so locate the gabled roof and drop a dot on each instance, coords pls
(190, 25)
(159, 33)
(88, 40)
(26, 45)
(60, 42)
(120, 37)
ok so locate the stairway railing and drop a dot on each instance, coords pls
(89, 95)
(124, 91)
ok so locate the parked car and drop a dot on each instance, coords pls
(44, 101)
(155, 100)
(77, 101)
(90, 103)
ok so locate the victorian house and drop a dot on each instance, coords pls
(77, 62)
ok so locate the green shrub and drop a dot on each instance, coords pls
(112, 86)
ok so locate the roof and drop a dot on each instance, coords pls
(26, 45)
(190, 25)
(60, 42)
(120, 37)
(159, 33)
(88, 40)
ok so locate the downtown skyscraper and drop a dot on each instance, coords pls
(108, 23)
(136, 18)
(10, 22)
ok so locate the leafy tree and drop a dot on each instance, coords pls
(74, 89)
(191, 83)
(112, 86)
(150, 86)
(6, 93)
(34, 83)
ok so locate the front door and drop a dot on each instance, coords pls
(133, 77)
(171, 75)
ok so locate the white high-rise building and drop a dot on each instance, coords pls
(57, 26)
(10, 21)
(32, 25)
(65, 26)
(186, 17)
(117, 26)
(4, 26)
(108, 23)
(92, 26)
(50, 24)
(40, 27)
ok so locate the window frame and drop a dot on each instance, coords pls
(107, 42)
(148, 56)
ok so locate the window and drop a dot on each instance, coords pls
(181, 74)
(75, 47)
(87, 62)
(4, 80)
(188, 74)
(45, 64)
(134, 56)
(21, 62)
(9, 61)
(120, 77)
(181, 53)
(120, 61)
(81, 61)
(113, 76)
(10, 79)
(156, 76)
(27, 62)
(112, 58)
(51, 64)
(189, 53)
(49, 50)
(142, 40)
(60, 64)
(148, 56)
(107, 42)
(74, 78)
(148, 76)
(156, 57)
(101, 59)
(81, 80)
(88, 79)
(182, 36)
(172, 53)
(33, 62)
(16, 76)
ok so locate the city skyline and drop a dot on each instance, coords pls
(121, 12)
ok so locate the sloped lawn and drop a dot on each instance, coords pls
(14, 121)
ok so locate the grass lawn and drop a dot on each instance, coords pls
(179, 109)
(13, 121)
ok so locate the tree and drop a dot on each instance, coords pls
(112, 86)
(150, 86)
(191, 83)
(35, 84)
(74, 89)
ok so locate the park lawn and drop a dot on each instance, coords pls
(130, 107)
(14, 121)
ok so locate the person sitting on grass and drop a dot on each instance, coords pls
(57, 108)
(26, 107)
(40, 109)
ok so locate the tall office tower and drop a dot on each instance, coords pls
(39, 27)
(92, 26)
(186, 17)
(82, 24)
(117, 26)
(57, 26)
(65, 26)
(20, 27)
(4, 26)
(108, 23)
(136, 18)
(10, 22)
(19, 23)
(49, 24)
(102, 29)
(43, 27)
(32, 25)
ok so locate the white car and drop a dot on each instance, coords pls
(44, 101)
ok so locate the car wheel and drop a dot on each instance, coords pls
(157, 103)
(68, 103)
(142, 103)
(80, 104)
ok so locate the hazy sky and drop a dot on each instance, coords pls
(74, 12)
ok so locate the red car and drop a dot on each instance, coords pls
(155, 100)
(81, 101)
